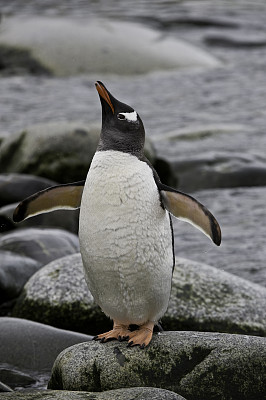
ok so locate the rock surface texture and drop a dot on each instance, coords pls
(119, 394)
(196, 365)
(202, 298)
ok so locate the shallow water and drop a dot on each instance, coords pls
(232, 95)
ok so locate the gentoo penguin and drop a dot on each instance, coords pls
(125, 229)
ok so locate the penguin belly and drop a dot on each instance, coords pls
(125, 239)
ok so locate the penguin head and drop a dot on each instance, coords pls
(122, 128)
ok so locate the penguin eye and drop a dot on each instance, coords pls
(121, 116)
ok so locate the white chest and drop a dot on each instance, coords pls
(125, 235)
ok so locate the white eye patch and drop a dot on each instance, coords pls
(130, 117)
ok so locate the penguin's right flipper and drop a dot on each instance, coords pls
(61, 197)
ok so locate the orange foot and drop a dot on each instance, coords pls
(119, 332)
(141, 336)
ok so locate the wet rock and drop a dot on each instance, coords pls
(28, 350)
(15, 270)
(219, 171)
(63, 219)
(43, 245)
(16, 187)
(58, 295)
(195, 365)
(61, 151)
(119, 394)
(203, 298)
(62, 47)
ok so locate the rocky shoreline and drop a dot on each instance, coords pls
(213, 346)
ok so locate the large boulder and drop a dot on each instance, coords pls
(28, 350)
(118, 394)
(58, 295)
(205, 298)
(61, 151)
(43, 245)
(218, 170)
(202, 298)
(67, 47)
(196, 365)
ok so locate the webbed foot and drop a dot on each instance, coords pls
(119, 332)
(142, 336)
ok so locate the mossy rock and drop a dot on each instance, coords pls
(202, 298)
(119, 394)
(197, 365)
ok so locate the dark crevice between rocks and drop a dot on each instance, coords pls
(17, 61)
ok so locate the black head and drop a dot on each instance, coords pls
(122, 128)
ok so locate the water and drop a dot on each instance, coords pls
(232, 95)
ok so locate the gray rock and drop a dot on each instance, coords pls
(58, 295)
(28, 350)
(119, 394)
(196, 365)
(219, 171)
(61, 151)
(203, 298)
(63, 219)
(16, 187)
(15, 270)
(63, 46)
(43, 245)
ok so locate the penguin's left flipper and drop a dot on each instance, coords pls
(186, 208)
(61, 197)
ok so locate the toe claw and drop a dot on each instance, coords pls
(102, 340)
(142, 346)
(95, 337)
(130, 344)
